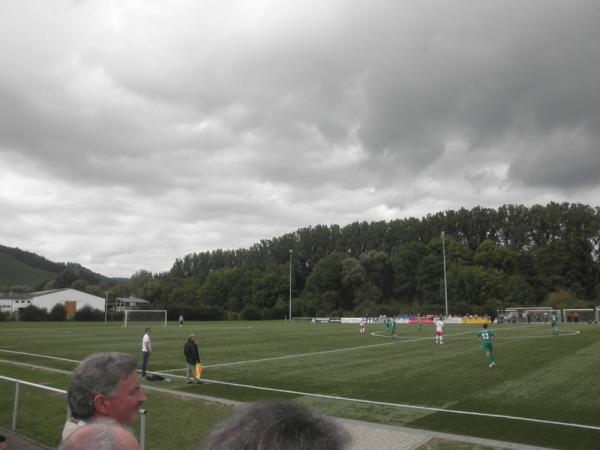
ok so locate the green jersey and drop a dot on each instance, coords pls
(554, 320)
(486, 337)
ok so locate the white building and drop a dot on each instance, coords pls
(72, 299)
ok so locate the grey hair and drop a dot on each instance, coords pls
(101, 434)
(277, 425)
(99, 373)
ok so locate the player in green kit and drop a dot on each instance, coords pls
(394, 329)
(554, 322)
(485, 336)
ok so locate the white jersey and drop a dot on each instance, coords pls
(146, 343)
(439, 326)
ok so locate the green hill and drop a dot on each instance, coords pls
(20, 267)
(13, 272)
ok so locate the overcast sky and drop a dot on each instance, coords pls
(136, 132)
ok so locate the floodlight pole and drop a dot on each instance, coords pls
(445, 282)
(105, 306)
(290, 312)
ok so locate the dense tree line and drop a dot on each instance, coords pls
(496, 258)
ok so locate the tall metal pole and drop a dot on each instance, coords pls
(105, 306)
(290, 312)
(445, 282)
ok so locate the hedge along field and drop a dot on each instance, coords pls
(336, 370)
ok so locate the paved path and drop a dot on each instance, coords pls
(365, 436)
(371, 436)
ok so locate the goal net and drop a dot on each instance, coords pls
(581, 315)
(529, 314)
(145, 315)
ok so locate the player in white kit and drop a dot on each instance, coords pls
(362, 326)
(439, 331)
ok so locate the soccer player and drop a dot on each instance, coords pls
(180, 320)
(485, 336)
(419, 323)
(554, 322)
(439, 331)
(362, 326)
(394, 330)
(386, 323)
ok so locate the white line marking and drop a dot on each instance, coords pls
(402, 405)
(40, 356)
(299, 355)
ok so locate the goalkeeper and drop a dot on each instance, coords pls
(192, 357)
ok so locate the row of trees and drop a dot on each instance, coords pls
(511, 256)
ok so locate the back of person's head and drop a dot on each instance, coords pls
(99, 373)
(101, 434)
(3, 444)
(277, 425)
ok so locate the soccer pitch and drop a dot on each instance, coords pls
(543, 391)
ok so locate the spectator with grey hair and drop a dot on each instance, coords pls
(277, 425)
(101, 434)
(104, 385)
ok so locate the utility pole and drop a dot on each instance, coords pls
(290, 312)
(445, 282)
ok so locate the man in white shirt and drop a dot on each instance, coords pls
(439, 331)
(146, 350)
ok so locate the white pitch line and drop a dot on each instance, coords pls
(40, 356)
(298, 355)
(403, 405)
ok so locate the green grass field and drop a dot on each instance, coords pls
(334, 369)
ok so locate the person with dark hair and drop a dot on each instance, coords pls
(192, 357)
(104, 385)
(146, 350)
(274, 425)
(3, 444)
(102, 434)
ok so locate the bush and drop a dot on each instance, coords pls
(57, 313)
(89, 314)
(250, 312)
(34, 314)
(4, 316)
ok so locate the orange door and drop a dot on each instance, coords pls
(70, 308)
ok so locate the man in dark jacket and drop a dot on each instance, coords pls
(192, 357)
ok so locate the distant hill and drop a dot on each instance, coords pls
(20, 267)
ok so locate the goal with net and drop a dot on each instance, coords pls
(529, 314)
(145, 315)
(580, 315)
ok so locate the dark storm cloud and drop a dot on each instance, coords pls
(214, 124)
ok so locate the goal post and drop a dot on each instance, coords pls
(145, 315)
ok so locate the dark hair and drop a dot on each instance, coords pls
(2, 438)
(485, 325)
(99, 373)
(277, 425)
